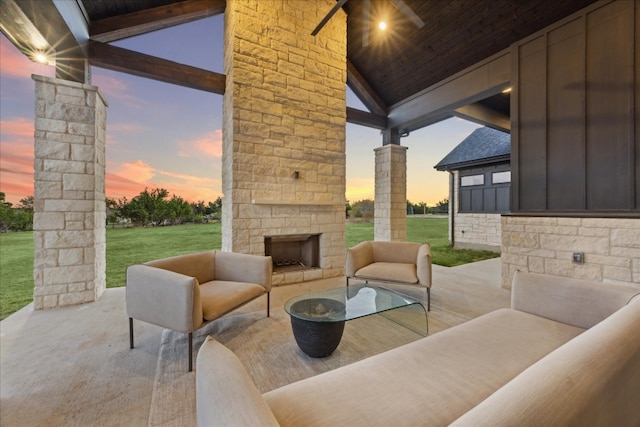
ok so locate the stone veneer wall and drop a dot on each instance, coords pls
(391, 193)
(284, 121)
(69, 197)
(479, 231)
(611, 248)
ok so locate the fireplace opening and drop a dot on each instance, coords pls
(292, 252)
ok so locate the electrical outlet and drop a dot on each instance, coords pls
(578, 257)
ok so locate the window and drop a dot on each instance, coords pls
(470, 180)
(501, 177)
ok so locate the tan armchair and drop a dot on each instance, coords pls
(395, 262)
(184, 293)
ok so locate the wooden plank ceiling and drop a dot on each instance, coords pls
(383, 68)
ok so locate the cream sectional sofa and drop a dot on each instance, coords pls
(567, 353)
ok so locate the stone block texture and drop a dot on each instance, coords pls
(479, 231)
(390, 193)
(284, 118)
(611, 248)
(69, 193)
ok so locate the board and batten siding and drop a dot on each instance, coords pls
(576, 115)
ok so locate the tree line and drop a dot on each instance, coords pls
(364, 209)
(157, 208)
(16, 218)
(149, 208)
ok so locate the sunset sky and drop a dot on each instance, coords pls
(167, 136)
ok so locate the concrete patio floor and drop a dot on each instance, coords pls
(73, 365)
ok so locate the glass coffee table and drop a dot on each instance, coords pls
(318, 318)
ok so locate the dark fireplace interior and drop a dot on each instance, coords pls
(293, 252)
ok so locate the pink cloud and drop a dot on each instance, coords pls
(118, 186)
(190, 188)
(137, 171)
(18, 127)
(209, 145)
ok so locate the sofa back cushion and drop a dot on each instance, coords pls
(199, 265)
(396, 252)
(225, 394)
(429, 382)
(593, 380)
(575, 302)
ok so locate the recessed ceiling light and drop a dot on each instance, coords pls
(41, 58)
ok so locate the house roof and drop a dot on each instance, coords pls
(484, 146)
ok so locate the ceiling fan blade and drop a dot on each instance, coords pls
(365, 23)
(332, 12)
(406, 10)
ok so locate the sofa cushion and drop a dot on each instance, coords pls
(394, 272)
(220, 296)
(439, 378)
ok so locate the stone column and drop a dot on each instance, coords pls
(391, 193)
(69, 196)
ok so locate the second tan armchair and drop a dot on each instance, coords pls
(184, 293)
(397, 262)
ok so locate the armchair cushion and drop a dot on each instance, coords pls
(222, 296)
(389, 271)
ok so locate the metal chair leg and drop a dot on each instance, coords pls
(130, 332)
(268, 303)
(190, 351)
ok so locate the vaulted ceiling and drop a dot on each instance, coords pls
(383, 68)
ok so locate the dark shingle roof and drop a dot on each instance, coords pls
(483, 146)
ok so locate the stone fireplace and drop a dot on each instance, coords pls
(283, 154)
(293, 252)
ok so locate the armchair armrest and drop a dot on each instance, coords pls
(164, 298)
(574, 302)
(423, 265)
(358, 256)
(237, 267)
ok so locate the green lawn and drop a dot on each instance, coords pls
(126, 246)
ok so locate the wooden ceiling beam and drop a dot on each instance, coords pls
(364, 91)
(139, 64)
(365, 118)
(144, 21)
(480, 114)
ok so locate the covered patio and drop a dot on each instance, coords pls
(569, 72)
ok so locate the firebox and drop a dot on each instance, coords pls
(292, 252)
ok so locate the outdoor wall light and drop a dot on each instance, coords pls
(296, 174)
(382, 25)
